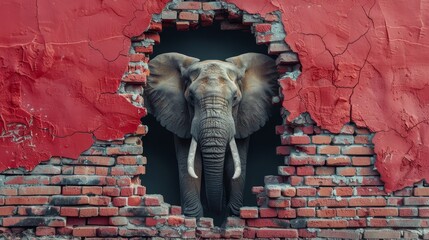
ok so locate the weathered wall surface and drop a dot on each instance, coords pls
(61, 65)
(363, 62)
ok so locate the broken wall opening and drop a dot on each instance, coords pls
(207, 43)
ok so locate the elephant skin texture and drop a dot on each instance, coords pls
(212, 107)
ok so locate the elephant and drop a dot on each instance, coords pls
(212, 107)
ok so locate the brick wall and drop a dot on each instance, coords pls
(327, 188)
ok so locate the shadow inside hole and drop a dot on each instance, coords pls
(162, 174)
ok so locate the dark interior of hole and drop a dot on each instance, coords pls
(207, 43)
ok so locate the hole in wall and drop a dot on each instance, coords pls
(207, 43)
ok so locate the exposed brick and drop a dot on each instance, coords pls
(278, 47)
(188, 16)
(327, 202)
(85, 231)
(306, 160)
(279, 233)
(325, 191)
(7, 211)
(279, 202)
(417, 201)
(408, 212)
(305, 171)
(38, 210)
(43, 180)
(69, 211)
(45, 231)
(306, 212)
(286, 213)
(273, 191)
(361, 161)
(268, 222)
(286, 170)
(370, 191)
(249, 212)
(377, 234)
(8, 191)
(339, 234)
(190, 5)
(326, 213)
(325, 171)
(93, 190)
(33, 221)
(343, 191)
(99, 201)
(295, 139)
(118, 221)
(107, 231)
(383, 212)
(345, 212)
(16, 200)
(306, 191)
(295, 180)
(360, 201)
(262, 27)
(71, 190)
(319, 181)
(366, 171)
(321, 139)
(69, 200)
(421, 191)
(326, 223)
(283, 150)
(338, 161)
(46, 170)
(362, 139)
(328, 149)
(357, 150)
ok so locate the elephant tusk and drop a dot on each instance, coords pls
(191, 158)
(236, 158)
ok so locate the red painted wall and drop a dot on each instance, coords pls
(61, 64)
(367, 62)
(362, 61)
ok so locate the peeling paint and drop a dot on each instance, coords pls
(363, 61)
(60, 67)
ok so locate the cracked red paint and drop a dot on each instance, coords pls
(363, 61)
(61, 63)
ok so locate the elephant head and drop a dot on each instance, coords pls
(212, 103)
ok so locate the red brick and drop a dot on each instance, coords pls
(190, 5)
(120, 201)
(107, 231)
(76, 221)
(328, 149)
(124, 183)
(153, 200)
(16, 200)
(99, 201)
(417, 201)
(346, 171)
(381, 234)
(101, 221)
(8, 191)
(85, 231)
(343, 191)
(133, 78)
(325, 171)
(267, 212)
(278, 47)
(306, 191)
(307, 149)
(357, 150)
(361, 161)
(279, 202)
(339, 234)
(395, 201)
(362, 139)
(188, 16)
(249, 212)
(93, 190)
(71, 190)
(289, 191)
(134, 201)
(276, 233)
(370, 191)
(305, 171)
(34, 221)
(408, 212)
(88, 212)
(383, 212)
(126, 191)
(140, 190)
(38, 210)
(319, 181)
(108, 211)
(366, 171)
(7, 211)
(306, 212)
(268, 222)
(118, 221)
(326, 223)
(43, 180)
(262, 27)
(326, 213)
(421, 191)
(338, 161)
(273, 190)
(45, 231)
(357, 223)
(295, 140)
(286, 213)
(360, 201)
(325, 191)
(286, 170)
(298, 202)
(307, 233)
(306, 160)
(321, 139)
(84, 170)
(345, 212)
(405, 192)
(111, 191)
(348, 129)
(295, 180)
(69, 211)
(327, 202)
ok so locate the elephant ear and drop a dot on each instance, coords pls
(258, 84)
(164, 92)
